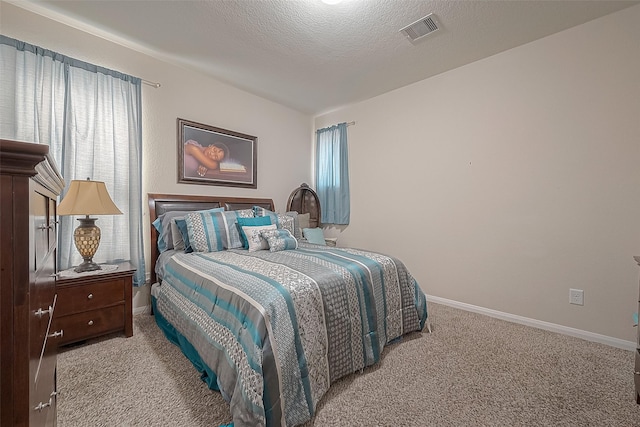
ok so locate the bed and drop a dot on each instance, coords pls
(273, 328)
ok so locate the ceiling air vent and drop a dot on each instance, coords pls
(420, 28)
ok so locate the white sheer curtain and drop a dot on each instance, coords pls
(332, 174)
(91, 119)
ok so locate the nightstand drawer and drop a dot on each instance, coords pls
(90, 324)
(74, 299)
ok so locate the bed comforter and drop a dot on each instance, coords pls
(272, 330)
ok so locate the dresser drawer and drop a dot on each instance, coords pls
(74, 299)
(42, 387)
(90, 324)
(41, 305)
(636, 371)
(43, 287)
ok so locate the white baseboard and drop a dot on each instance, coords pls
(578, 333)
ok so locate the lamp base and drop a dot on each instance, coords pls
(87, 239)
(87, 265)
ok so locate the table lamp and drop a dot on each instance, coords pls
(87, 198)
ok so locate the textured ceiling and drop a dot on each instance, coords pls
(314, 57)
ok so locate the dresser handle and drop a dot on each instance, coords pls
(40, 312)
(90, 323)
(56, 334)
(636, 372)
(41, 405)
(90, 296)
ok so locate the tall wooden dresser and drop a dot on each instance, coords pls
(29, 186)
(636, 370)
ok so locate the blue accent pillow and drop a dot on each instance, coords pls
(314, 235)
(251, 222)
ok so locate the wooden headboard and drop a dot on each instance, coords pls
(161, 203)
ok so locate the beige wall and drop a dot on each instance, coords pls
(517, 175)
(506, 182)
(284, 150)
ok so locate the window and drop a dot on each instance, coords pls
(332, 174)
(91, 119)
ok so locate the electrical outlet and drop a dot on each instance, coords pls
(576, 296)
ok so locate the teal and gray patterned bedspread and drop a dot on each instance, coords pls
(275, 329)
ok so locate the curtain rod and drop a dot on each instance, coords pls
(152, 84)
(348, 124)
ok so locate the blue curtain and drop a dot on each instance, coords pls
(91, 119)
(332, 174)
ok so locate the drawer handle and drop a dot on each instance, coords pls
(56, 334)
(40, 312)
(636, 372)
(90, 296)
(90, 323)
(42, 405)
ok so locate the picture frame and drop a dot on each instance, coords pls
(214, 156)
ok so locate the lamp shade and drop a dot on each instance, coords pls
(87, 198)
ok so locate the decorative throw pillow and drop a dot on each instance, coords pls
(251, 222)
(314, 235)
(297, 229)
(279, 240)
(255, 240)
(287, 221)
(212, 232)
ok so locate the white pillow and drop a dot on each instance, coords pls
(303, 220)
(256, 241)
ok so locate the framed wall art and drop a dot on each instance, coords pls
(215, 156)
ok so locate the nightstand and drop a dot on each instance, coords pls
(93, 304)
(636, 369)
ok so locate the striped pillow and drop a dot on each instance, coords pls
(215, 231)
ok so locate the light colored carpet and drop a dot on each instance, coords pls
(472, 370)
